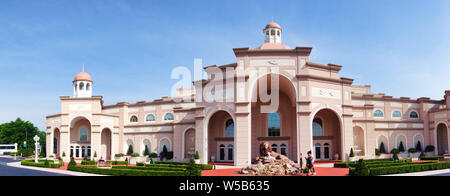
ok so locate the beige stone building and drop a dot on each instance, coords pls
(318, 110)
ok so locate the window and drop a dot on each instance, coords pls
(83, 134)
(150, 118)
(283, 149)
(378, 113)
(413, 115)
(88, 86)
(55, 146)
(168, 116)
(229, 128)
(326, 151)
(222, 152)
(230, 152)
(275, 148)
(318, 153)
(273, 123)
(134, 119)
(396, 114)
(317, 127)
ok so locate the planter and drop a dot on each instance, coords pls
(197, 161)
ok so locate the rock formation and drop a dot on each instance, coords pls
(270, 163)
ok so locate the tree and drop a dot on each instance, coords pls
(382, 149)
(419, 147)
(19, 131)
(197, 156)
(146, 151)
(401, 148)
(352, 154)
(130, 150)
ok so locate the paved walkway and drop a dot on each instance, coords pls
(444, 172)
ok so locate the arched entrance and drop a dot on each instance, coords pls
(358, 141)
(327, 133)
(189, 144)
(80, 138)
(277, 126)
(442, 139)
(56, 142)
(106, 144)
(221, 137)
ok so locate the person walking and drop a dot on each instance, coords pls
(310, 164)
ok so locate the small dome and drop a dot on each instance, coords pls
(272, 25)
(83, 76)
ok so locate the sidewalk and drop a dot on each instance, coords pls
(58, 171)
(426, 173)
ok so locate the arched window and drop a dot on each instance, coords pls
(396, 114)
(317, 127)
(413, 115)
(229, 128)
(274, 147)
(55, 146)
(83, 134)
(272, 32)
(134, 119)
(82, 86)
(150, 118)
(273, 123)
(168, 116)
(378, 113)
(88, 86)
(83, 151)
(283, 149)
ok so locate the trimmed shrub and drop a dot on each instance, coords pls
(72, 163)
(377, 152)
(395, 157)
(422, 154)
(153, 155)
(419, 147)
(64, 154)
(382, 148)
(401, 147)
(197, 156)
(146, 151)
(117, 162)
(135, 155)
(395, 151)
(352, 154)
(119, 155)
(130, 150)
(362, 169)
(412, 150)
(429, 148)
(41, 163)
(95, 154)
(192, 169)
(169, 155)
(431, 158)
(125, 171)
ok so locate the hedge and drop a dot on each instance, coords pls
(88, 162)
(151, 168)
(117, 162)
(202, 166)
(41, 164)
(369, 162)
(417, 167)
(125, 172)
(431, 158)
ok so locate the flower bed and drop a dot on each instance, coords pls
(41, 163)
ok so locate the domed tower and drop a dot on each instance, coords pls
(273, 37)
(82, 85)
(273, 33)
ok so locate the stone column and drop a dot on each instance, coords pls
(347, 140)
(305, 133)
(201, 140)
(65, 143)
(242, 139)
(96, 142)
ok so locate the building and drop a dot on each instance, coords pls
(318, 110)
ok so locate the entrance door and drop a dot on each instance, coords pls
(326, 151)
(225, 152)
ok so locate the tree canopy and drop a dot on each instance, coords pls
(19, 131)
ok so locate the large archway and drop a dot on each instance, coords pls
(442, 139)
(221, 133)
(80, 138)
(327, 139)
(189, 144)
(358, 141)
(56, 143)
(277, 126)
(106, 139)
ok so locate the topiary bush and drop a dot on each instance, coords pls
(130, 150)
(72, 163)
(395, 156)
(412, 150)
(197, 156)
(153, 155)
(146, 151)
(419, 147)
(382, 149)
(401, 147)
(135, 155)
(377, 152)
(429, 148)
(352, 154)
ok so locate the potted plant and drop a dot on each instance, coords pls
(197, 158)
(429, 150)
(411, 151)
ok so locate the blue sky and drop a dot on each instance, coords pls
(130, 47)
